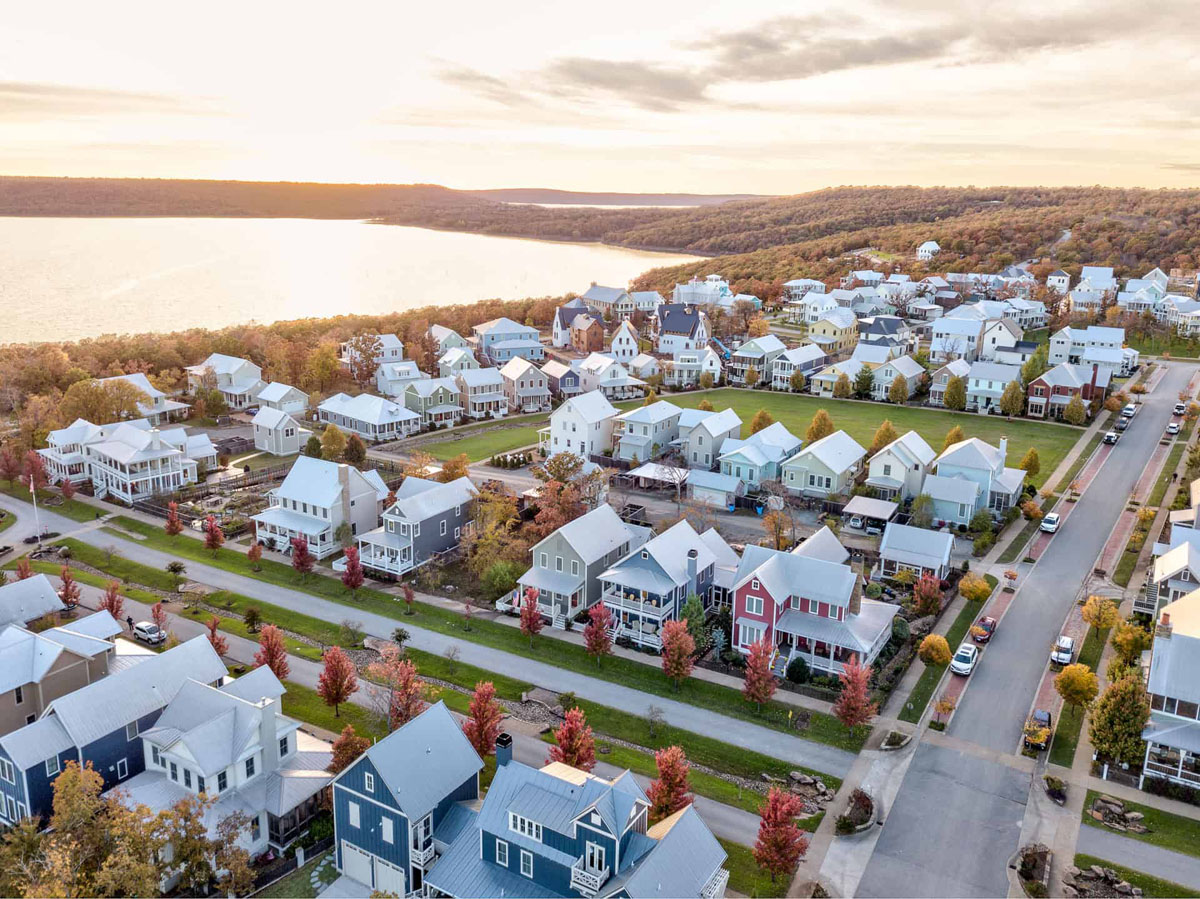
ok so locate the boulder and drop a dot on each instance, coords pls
(1115, 803)
(1137, 828)
(802, 778)
(1125, 888)
(1098, 815)
(1112, 825)
(820, 785)
(771, 778)
(1097, 871)
(1072, 871)
(1069, 892)
(1134, 816)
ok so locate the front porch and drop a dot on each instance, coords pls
(390, 554)
(637, 615)
(1172, 747)
(822, 658)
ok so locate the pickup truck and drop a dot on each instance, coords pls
(1063, 652)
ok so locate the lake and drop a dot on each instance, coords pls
(67, 278)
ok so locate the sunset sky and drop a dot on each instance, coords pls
(762, 97)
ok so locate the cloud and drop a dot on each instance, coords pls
(485, 85)
(1181, 166)
(29, 100)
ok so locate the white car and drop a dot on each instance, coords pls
(964, 660)
(1064, 650)
(1050, 523)
(856, 522)
(1173, 428)
(1180, 408)
(1129, 411)
(149, 632)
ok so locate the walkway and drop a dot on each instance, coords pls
(1140, 856)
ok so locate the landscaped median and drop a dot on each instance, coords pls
(646, 677)
(1163, 829)
(1152, 887)
(68, 508)
(1070, 718)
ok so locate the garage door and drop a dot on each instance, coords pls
(356, 863)
(388, 878)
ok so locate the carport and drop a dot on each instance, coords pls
(873, 512)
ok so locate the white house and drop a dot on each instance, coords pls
(680, 328)
(897, 471)
(919, 550)
(1094, 344)
(804, 359)
(393, 378)
(1172, 750)
(315, 500)
(277, 433)
(645, 433)
(238, 380)
(689, 365)
(525, 386)
(710, 291)
(906, 367)
(824, 468)
(824, 381)
(928, 250)
(998, 334)
(156, 408)
(608, 302)
(955, 338)
(456, 360)
(1059, 281)
(583, 425)
(482, 392)
(810, 306)
(370, 417)
(564, 315)
(624, 347)
(798, 288)
(986, 382)
(391, 349)
(1098, 277)
(644, 365)
(603, 373)
(862, 276)
(283, 398)
(703, 434)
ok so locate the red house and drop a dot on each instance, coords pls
(1050, 392)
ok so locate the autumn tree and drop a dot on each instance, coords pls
(953, 436)
(762, 419)
(177, 570)
(68, 590)
(112, 601)
(955, 397)
(927, 595)
(272, 652)
(934, 651)
(214, 537)
(66, 489)
(574, 744)
(1075, 413)
(10, 465)
(677, 649)
(303, 560)
(35, 477)
(781, 843)
(1031, 464)
(347, 747)
(254, 556)
(173, 526)
(558, 504)
(1012, 401)
(531, 615)
(1077, 685)
(853, 706)
(760, 682)
(777, 525)
(352, 576)
(921, 512)
(333, 444)
(1118, 719)
(820, 426)
(797, 381)
(1130, 640)
(672, 789)
(704, 405)
(597, 640)
(482, 724)
(312, 447)
(1101, 612)
(884, 435)
(842, 388)
(356, 451)
(362, 357)
(158, 614)
(215, 639)
(338, 680)
(898, 392)
(24, 569)
(751, 376)
(102, 401)
(974, 587)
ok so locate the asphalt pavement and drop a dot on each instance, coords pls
(1140, 856)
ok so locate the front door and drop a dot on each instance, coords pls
(594, 858)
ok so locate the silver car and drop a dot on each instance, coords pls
(149, 632)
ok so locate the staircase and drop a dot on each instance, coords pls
(559, 622)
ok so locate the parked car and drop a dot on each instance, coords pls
(874, 530)
(46, 535)
(964, 659)
(1111, 437)
(1180, 408)
(1122, 424)
(856, 522)
(1042, 721)
(1173, 428)
(5, 550)
(1129, 411)
(983, 629)
(1050, 522)
(149, 632)
(1064, 650)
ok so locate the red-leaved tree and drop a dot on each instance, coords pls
(214, 537)
(402, 691)
(24, 570)
(482, 724)
(253, 555)
(35, 477)
(352, 577)
(409, 596)
(927, 595)
(302, 560)
(677, 649)
(671, 790)
(272, 652)
(158, 614)
(173, 526)
(67, 489)
(69, 591)
(596, 637)
(338, 680)
(10, 465)
(531, 615)
(346, 748)
(781, 843)
(112, 601)
(760, 682)
(854, 706)
(215, 638)
(574, 744)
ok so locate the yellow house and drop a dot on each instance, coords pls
(836, 332)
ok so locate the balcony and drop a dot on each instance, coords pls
(586, 880)
(643, 605)
(716, 885)
(421, 857)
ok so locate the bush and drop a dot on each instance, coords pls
(797, 670)
(900, 629)
(500, 578)
(1035, 888)
(1157, 786)
(874, 590)
(983, 543)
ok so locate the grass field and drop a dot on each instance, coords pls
(298, 884)
(1070, 720)
(1172, 344)
(485, 439)
(746, 878)
(70, 508)
(1151, 886)
(858, 419)
(1168, 831)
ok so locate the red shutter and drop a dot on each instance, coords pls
(823, 610)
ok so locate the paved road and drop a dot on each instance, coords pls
(739, 733)
(1150, 859)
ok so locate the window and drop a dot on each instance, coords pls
(222, 782)
(388, 836)
(575, 566)
(750, 633)
(754, 584)
(174, 772)
(544, 560)
(457, 532)
(255, 830)
(558, 565)
(131, 730)
(887, 470)
(526, 864)
(250, 767)
(524, 826)
(155, 755)
(123, 769)
(283, 745)
(187, 777)
(353, 814)
(369, 782)
(52, 766)
(754, 605)
(199, 783)
(12, 809)
(19, 695)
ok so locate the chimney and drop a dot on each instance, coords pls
(1003, 449)
(855, 605)
(692, 560)
(503, 749)
(268, 736)
(1163, 631)
(344, 484)
(1095, 374)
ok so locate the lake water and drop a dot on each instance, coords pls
(67, 278)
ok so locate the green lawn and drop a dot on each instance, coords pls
(1151, 886)
(1168, 831)
(303, 704)
(256, 460)
(919, 698)
(7, 521)
(298, 884)
(1071, 718)
(1017, 545)
(70, 508)
(745, 876)
(1157, 345)
(646, 677)
(1077, 466)
(479, 443)
(1164, 479)
(238, 628)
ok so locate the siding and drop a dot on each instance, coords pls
(368, 836)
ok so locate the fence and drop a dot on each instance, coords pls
(283, 866)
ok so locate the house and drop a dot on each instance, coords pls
(862, 277)
(1049, 393)
(761, 456)
(647, 432)
(1173, 575)
(1094, 344)
(482, 391)
(587, 334)
(811, 305)
(955, 338)
(564, 316)
(444, 339)
(284, 398)
(807, 607)
(889, 330)
(390, 349)
(610, 377)
(277, 433)
(583, 425)
(702, 436)
(711, 488)
(825, 468)
(611, 303)
(643, 365)
(455, 361)
(238, 380)
(624, 346)
(1017, 354)
(897, 471)
(393, 378)
(680, 328)
(689, 366)
(713, 290)
(400, 804)
(502, 339)
(905, 367)
(998, 334)
(234, 744)
(928, 250)
(955, 368)
(759, 354)
(370, 417)
(999, 487)
(921, 551)
(1059, 281)
(37, 668)
(1098, 277)
(25, 601)
(1171, 734)
(315, 500)
(156, 408)
(562, 380)
(798, 288)
(986, 382)
(427, 518)
(804, 359)
(100, 724)
(525, 387)
(435, 400)
(649, 586)
(646, 301)
(825, 381)
(562, 832)
(565, 567)
(836, 331)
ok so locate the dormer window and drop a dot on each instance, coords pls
(524, 826)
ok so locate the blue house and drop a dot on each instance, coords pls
(559, 831)
(406, 796)
(100, 723)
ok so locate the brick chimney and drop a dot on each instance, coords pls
(344, 484)
(1095, 374)
(855, 598)
(1163, 631)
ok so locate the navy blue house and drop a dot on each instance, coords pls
(403, 799)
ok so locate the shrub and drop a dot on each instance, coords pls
(900, 629)
(797, 670)
(983, 543)
(874, 590)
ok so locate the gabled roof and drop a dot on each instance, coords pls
(678, 318)
(429, 386)
(972, 453)
(871, 353)
(25, 600)
(599, 294)
(906, 365)
(592, 406)
(1066, 374)
(809, 352)
(670, 550)
(367, 407)
(314, 481)
(916, 546)
(840, 318)
(482, 377)
(25, 657)
(837, 451)
(270, 418)
(652, 414)
(773, 443)
(456, 354)
(912, 447)
(995, 371)
(502, 325)
(823, 545)
(214, 727)
(36, 742)
(718, 422)
(276, 391)
(221, 364)
(556, 369)
(405, 370)
(1185, 557)
(786, 574)
(595, 534)
(417, 499)
(516, 368)
(761, 346)
(951, 489)
(138, 380)
(626, 329)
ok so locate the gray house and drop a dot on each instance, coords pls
(427, 518)
(701, 435)
(567, 564)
